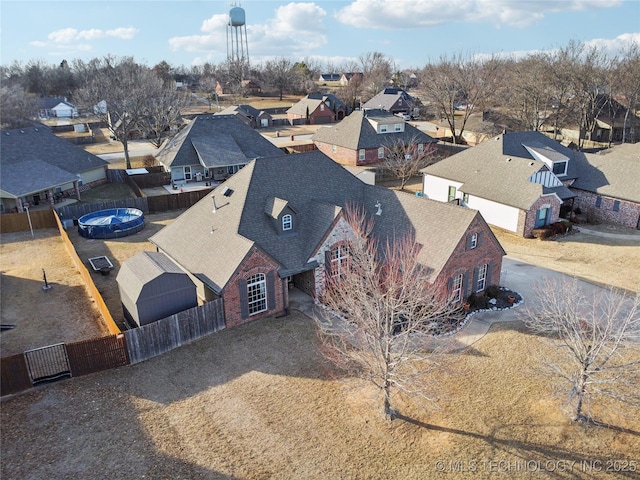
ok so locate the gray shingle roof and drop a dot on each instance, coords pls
(499, 169)
(391, 100)
(220, 139)
(213, 245)
(142, 268)
(356, 132)
(614, 172)
(306, 104)
(33, 159)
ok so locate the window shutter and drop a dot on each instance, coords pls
(480, 238)
(244, 305)
(271, 291)
(474, 282)
(468, 244)
(465, 286)
(489, 271)
(327, 262)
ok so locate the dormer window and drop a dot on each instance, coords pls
(287, 222)
(560, 168)
(383, 128)
(397, 127)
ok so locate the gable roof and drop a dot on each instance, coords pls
(145, 267)
(48, 103)
(245, 110)
(499, 169)
(308, 104)
(613, 172)
(261, 189)
(333, 102)
(356, 132)
(391, 99)
(215, 140)
(33, 159)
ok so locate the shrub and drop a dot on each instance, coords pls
(492, 291)
(478, 301)
(541, 233)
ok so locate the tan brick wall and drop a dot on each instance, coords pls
(527, 223)
(346, 156)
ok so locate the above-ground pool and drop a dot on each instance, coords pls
(111, 223)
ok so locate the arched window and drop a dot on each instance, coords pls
(287, 222)
(257, 293)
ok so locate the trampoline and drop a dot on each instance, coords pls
(111, 223)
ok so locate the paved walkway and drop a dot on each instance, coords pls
(632, 236)
(516, 275)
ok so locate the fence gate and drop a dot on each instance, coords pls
(48, 363)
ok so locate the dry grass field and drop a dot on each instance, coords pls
(63, 313)
(257, 402)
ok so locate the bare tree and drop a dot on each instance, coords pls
(383, 306)
(597, 336)
(125, 88)
(162, 114)
(377, 69)
(280, 74)
(459, 86)
(628, 73)
(17, 109)
(405, 159)
(528, 93)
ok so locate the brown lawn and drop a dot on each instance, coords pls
(258, 402)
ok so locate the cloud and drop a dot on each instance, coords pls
(71, 35)
(295, 29)
(396, 14)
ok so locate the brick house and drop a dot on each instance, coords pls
(606, 186)
(280, 223)
(362, 137)
(251, 116)
(393, 100)
(518, 181)
(317, 109)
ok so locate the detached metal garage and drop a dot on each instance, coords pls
(152, 287)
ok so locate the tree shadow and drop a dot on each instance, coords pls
(545, 453)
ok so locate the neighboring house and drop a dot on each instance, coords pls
(152, 287)
(56, 107)
(251, 116)
(516, 180)
(213, 147)
(39, 168)
(350, 78)
(328, 77)
(394, 100)
(316, 109)
(363, 137)
(607, 186)
(247, 87)
(280, 222)
(480, 127)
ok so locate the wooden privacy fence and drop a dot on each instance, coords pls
(19, 222)
(76, 211)
(164, 203)
(164, 335)
(24, 370)
(88, 280)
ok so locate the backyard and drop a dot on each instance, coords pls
(258, 401)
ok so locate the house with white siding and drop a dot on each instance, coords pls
(518, 181)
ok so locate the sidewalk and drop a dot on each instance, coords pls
(632, 236)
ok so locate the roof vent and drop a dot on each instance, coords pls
(227, 192)
(532, 163)
(509, 159)
(379, 207)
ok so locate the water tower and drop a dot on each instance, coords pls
(237, 46)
